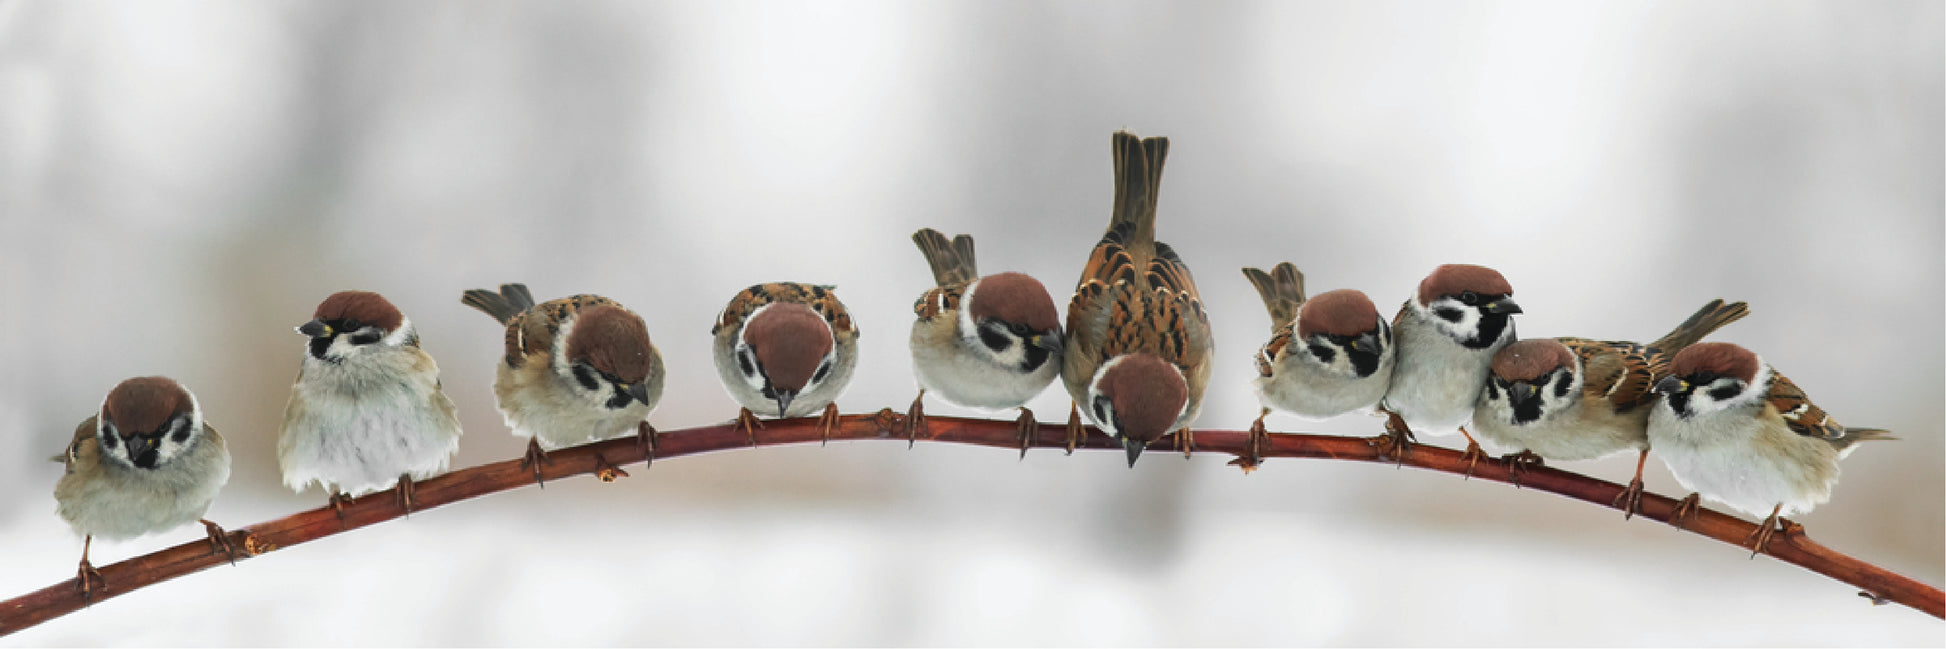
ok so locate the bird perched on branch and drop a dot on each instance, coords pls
(1735, 431)
(1446, 335)
(1138, 341)
(146, 462)
(787, 348)
(1581, 399)
(1327, 356)
(576, 369)
(982, 342)
(366, 410)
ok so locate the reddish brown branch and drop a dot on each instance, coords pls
(60, 599)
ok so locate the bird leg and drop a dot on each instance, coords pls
(1520, 463)
(1076, 434)
(86, 579)
(338, 501)
(1026, 429)
(219, 540)
(534, 459)
(1630, 500)
(1397, 440)
(1473, 453)
(1253, 453)
(828, 421)
(404, 490)
(1186, 440)
(1686, 509)
(748, 420)
(606, 472)
(915, 419)
(645, 441)
(1760, 538)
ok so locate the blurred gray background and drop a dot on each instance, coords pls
(180, 183)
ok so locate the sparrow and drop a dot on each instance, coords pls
(1734, 430)
(577, 369)
(146, 462)
(1341, 362)
(1446, 337)
(1138, 340)
(366, 410)
(982, 342)
(1581, 399)
(787, 346)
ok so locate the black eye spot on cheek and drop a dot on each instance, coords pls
(182, 430)
(110, 440)
(1493, 387)
(365, 337)
(1101, 414)
(1324, 352)
(586, 378)
(1561, 385)
(1725, 392)
(1448, 314)
(995, 340)
(824, 370)
(743, 361)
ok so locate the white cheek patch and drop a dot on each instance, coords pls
(1465, 328)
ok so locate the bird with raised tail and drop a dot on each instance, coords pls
(1581, 399)
(1735, 431)
(786, 348)
(577, 369)
(146, 462)
(1138, 341)
(366, 411)
(990, 342)
(1327, 355)
(1446, 335)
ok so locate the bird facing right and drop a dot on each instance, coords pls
(146, 462)
(1446, 336)
(1735, 431)
(1138, 343)
(1327, 355)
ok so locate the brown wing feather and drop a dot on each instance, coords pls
(1622, 372)
(940, 299)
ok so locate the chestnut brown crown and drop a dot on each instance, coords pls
(1721, 359)
(145, 405)
(362, 307)
(1454, 279)
(1343, 312)
(789, 340)
(1531, 359)
(1148, 395)
(1015, 298)
(613, 341)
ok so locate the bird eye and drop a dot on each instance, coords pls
(352, 325)
(1018, 329)
(1469, 297)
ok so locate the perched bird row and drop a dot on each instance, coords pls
(366, 411)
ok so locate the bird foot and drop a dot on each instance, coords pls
(1076, 433)
(1630, 500)
(748, 420)
(1759, 540)
(1397, 441)
(219, 541)
(87, 580)
(1686, 510)
(338, 501)
(915, 420)
(1253, 453)
(534, 458)
(404, 490)
(1186, 441)
(1519, 464)
(827, 421)
(645, 441)
(606, 472)
(1472, 457)
(1026, 431)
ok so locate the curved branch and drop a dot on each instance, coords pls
(1791, 545)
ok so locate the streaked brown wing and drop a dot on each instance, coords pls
(1622, 372)
(1803, 417)
(938, 300)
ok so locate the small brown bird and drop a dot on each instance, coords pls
(145, 463)
(1327, 355)
(1580, 399)
(787, 346)
(1446, 337)
(577, 369)
(1138, 341)
(982, 342)
(1735, 431)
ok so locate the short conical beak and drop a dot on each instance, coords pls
(1503, 305)
(1521, 391)
(784, 402)
(640, 391)
(315, 329)
(1669, 384)
(137, 447)
(1134, 449)
(1365, 343)
(1050, 341)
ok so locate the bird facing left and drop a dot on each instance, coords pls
(366, 411)
(146, 462)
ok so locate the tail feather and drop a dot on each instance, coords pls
(1708, 319)
(951, 261)
(1138, 180)
(1282, 290)
(512, 300)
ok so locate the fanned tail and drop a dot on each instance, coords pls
(951, 261)
(1282, 290)
(503, 306)
(1711, 317)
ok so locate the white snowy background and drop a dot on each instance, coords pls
(181, 182)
